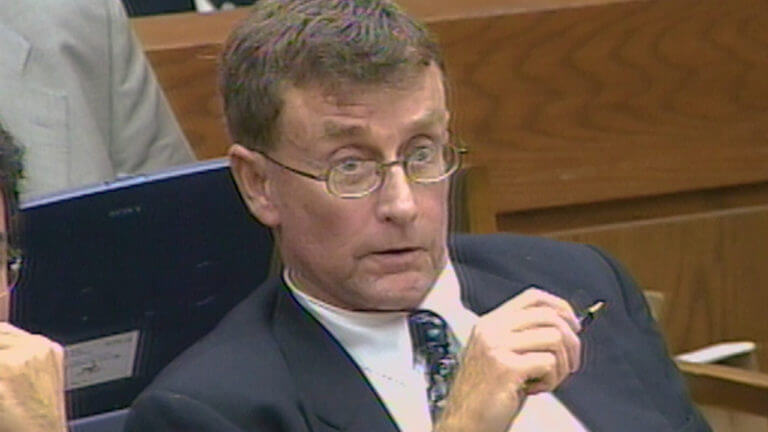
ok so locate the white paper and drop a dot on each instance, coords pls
(717, 352)
(101, 360)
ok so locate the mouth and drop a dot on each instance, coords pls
(400, 250)
(396, 251)
(396, 259)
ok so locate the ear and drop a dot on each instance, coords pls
(249, 170)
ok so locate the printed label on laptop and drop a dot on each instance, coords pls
(101, 360)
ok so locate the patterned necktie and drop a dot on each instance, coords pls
(435, 343)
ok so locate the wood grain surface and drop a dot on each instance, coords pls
(546, 220)
(188, 77)
(745, 390)
(617, 101)
(731, 399)
(573, 105)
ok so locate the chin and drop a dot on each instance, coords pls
(400, 291)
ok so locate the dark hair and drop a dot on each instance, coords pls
(326, 42)
(10, 174)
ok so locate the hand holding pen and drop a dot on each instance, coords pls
(528, 345)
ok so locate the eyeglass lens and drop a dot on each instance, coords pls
(423, 164)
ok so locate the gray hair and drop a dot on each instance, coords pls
(326, 42)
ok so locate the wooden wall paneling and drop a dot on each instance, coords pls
(745, 254)
(731, 399)
(622, 100)
(577, 216)
(188, 76)
(574, 104)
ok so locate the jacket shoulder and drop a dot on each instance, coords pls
(512, 252)
(242, 353)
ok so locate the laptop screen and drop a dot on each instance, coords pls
(127, 274)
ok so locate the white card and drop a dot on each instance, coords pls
(101, 360)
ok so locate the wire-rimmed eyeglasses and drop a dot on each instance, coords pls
(354, 177)
(13, 261)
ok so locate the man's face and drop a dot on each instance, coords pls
(380, 252)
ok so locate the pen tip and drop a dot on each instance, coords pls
(595, 308)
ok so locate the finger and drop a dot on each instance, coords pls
(537, 316)
(561, 334)
(8, 330)
(546, 317)
(535, 297)
(20, 346)
(539, 371)
(544, 340)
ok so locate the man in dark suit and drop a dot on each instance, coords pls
(339, 112)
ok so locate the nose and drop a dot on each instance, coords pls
(396, 202)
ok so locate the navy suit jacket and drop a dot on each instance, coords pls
(270, 366)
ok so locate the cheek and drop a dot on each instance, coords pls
(434, 208)
(314, 220)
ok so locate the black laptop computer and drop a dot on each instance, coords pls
(127, 274)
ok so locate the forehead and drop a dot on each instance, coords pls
(341, 111)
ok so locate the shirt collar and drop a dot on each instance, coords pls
(369, 337)
(379, 337)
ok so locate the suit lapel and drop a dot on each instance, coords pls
(607, 379)
(331, 385)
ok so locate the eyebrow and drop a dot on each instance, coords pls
(333, 129)
(429, 119)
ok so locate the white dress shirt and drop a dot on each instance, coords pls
(380, 344)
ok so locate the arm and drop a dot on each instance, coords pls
(144, 134)
(666, 378)
(31, 382)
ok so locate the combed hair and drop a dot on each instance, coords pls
(326, 42)
(10, 174)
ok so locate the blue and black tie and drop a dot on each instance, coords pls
(434, 342)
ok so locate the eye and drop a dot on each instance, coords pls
(349, 166)
(423, 153)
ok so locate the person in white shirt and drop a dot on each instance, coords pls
(340, 121)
